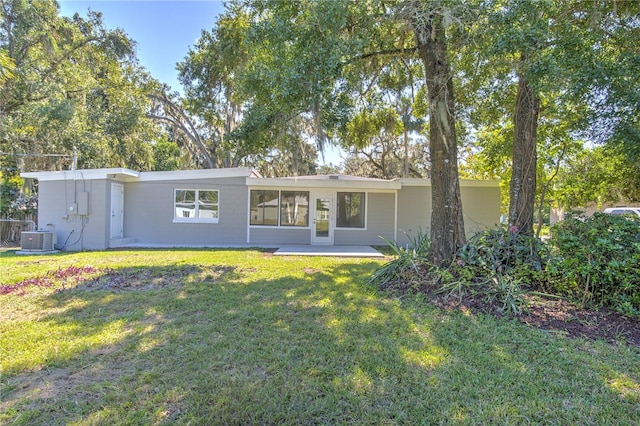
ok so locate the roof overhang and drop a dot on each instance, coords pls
(464, 183)
(127, 175)
(85, 174)
(324, 182)
(235, 172)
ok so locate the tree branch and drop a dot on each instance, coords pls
(400, 51)
(190, 132)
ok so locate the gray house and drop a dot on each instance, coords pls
(236, 207)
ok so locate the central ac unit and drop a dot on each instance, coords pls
(37, 241)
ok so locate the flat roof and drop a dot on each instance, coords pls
(325, 181)
(127, 175)
(253, 178)
(86, 174)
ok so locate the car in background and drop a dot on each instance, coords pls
(619, 211)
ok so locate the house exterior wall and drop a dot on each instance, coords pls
(278, 235)
(414, 212)
(380, 212)
(73, 231)
(394, 209)
(380, 208)
(149, 213)
(480, 208)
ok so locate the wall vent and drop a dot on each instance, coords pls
(37, 241)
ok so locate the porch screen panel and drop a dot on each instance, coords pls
(264, 207)
(351, 210)
(294, 208)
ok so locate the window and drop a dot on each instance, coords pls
(264, 208)
(279, 208)
(294, 208)
(196, 205)
(351, 210)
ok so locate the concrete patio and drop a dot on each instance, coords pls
(339, 251)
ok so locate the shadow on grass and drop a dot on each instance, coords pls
(194, 344)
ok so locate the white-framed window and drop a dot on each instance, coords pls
(196, 205)
(351, 210)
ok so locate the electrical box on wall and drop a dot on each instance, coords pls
(73, 208)
(83, 203)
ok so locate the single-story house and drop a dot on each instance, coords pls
(236, 207)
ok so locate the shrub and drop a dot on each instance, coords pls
(14, 203)
(498, 265)
(597, 260)
(502, 251)
(588, 260)
(407, 261)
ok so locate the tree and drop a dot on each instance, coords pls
(74, 83)
(556, 60)
(6, 67)
(598, 175)
(611, 75)
(314, 59)
(382, 133)
(183, 129)
(447, 226)
(166, 155)
(214, 104)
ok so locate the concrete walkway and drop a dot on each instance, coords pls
(340, 251)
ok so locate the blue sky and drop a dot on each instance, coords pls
(163, 30)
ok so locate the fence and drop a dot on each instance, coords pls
(10, 230)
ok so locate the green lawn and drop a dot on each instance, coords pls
(240, 337)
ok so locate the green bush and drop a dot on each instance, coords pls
(597, 260)
(14, 203)
(407, 261)
(498, 265)
(592, 260)
(502, 251)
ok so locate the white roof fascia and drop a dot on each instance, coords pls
(414, 182)
(83, 174)
(195, 174)
(479, 183)
(463, 182)
(275, 183)
(127, 175)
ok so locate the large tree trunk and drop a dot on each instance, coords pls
(523, 174)
(447, 226)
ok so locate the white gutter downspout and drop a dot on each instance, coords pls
(395, 218)
(248, 215)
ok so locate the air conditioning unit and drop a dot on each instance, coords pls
(37, 241)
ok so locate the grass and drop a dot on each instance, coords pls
(240, 337)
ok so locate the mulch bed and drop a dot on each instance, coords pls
(561, 317)
(576, 322)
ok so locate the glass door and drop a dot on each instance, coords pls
(322, 229)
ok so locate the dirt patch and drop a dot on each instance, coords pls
(573, 321)
(141, 279)
(559, 316)
(268, 252)
(55, 383)
(63, 277)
